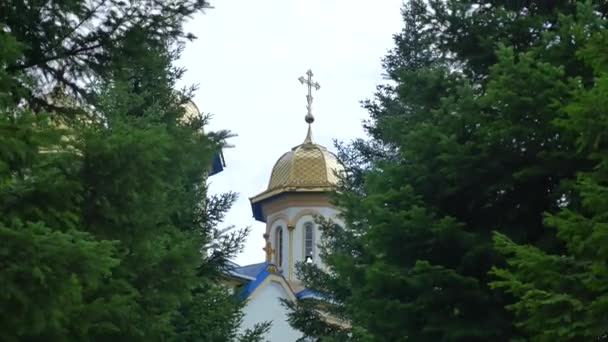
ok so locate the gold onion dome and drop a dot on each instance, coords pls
(191, 110)
(306, 167)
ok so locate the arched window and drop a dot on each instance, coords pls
(279, 246)
(308, 239)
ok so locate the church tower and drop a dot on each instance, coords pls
(297, 192)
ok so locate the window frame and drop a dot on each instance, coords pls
(279, 246)
(309, 225)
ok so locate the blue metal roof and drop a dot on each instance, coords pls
(261, 273)
(218, 163)
(255, 274)
(307, 294)
(252, 270)
(256, 208)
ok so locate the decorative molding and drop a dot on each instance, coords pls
(313, 205)
(278, 217)
(304, 212)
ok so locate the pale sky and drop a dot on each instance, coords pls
(247, 60)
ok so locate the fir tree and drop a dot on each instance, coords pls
(107, 228)
(71, 44)
(562, 295)
(465, 142)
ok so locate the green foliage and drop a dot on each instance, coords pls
(50, 267)
(108, 232)
(77, 47)
(564, 296)
(309, 316)
(473, 136)
(195, 324)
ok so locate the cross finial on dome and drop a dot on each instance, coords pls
(309, 118)
(309, 82)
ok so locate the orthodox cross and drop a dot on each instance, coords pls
(309, 82)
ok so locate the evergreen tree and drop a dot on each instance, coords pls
(563, 295)
(465, 142)
(72, 43)
(50, 265)
(107, 228)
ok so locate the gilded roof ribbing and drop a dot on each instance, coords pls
(306, 165)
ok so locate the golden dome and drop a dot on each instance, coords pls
(308, 167)
(191, 111)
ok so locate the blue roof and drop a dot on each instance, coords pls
(218, 163)
(251, 270)
(256, 207)
(261, 273)
(306, 294)
(255, 274)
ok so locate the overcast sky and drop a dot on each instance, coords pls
(247, 60)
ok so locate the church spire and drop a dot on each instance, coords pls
(309, 118)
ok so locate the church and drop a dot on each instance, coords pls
(298, 191)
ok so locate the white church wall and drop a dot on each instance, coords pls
(301, 215)
(280, 223)
(265, 305)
